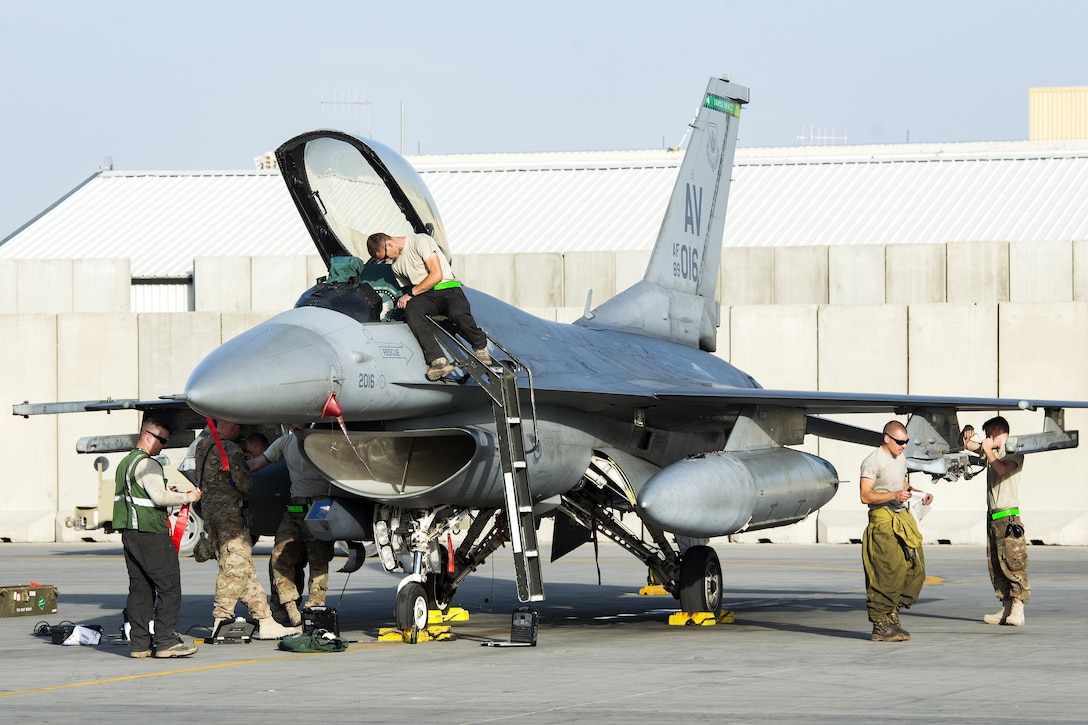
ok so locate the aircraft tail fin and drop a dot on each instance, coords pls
(675, 300)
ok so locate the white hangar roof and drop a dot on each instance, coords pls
(607, 201)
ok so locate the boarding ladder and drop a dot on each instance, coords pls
(500, 382)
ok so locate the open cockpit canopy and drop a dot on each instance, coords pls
(347, 188)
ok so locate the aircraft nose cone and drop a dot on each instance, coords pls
(273, 373)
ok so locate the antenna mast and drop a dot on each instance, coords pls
(347, 105)
(819, 136)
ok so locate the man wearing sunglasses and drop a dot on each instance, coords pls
(140, 503)
(891, 548)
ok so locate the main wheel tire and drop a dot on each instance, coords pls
(438, 584)
(411, 609)
(700, 581)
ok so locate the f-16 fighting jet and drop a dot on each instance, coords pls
(624, 411)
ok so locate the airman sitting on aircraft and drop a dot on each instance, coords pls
(423, 268)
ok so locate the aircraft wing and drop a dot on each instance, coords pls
(179, 417)
(932, 417)
(27, 409)
(825, 402)
(591, 394)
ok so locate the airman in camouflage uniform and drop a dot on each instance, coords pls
(225, 494)
(296, 545)
(294, 541)
(1006, 541)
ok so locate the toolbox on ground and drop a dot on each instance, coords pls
(239, 629)
(524, 625)
(25, 600)
(325, 618)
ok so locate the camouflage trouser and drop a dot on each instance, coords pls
(894, 574)
(294, 542)
(1007, 557)
(237, 577)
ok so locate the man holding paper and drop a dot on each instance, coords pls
(891, 548)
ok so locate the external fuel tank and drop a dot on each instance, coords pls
(725, 492)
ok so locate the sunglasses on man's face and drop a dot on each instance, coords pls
(896, 440)
(159, 438)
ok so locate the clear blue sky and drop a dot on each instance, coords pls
(210, 85)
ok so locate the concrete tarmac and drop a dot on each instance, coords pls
(798, 650)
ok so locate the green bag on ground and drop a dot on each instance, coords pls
(320, 640)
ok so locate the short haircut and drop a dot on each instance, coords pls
(259, 438)
(894, 425)
(376, 243)
(998, 422)
(151, 419)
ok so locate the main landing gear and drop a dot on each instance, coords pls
(700, 580)
(693, 575)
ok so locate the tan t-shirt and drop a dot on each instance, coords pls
(411, 265)
(887, 473)
(1004, 493)
(306, 481)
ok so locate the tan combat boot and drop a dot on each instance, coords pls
(885, 631)
(1001, 615)
(293, 615)
(269, 628)
(440, 368)
(894, 616)
(1015, 617)
(181, 649)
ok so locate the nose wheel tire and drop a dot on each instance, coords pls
(700, 581)
(411, 609)
(439, 592)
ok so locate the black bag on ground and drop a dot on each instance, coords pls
(317, 641)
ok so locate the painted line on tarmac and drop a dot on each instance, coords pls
(165, 673)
